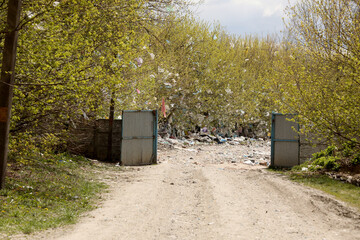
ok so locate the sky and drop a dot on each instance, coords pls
(259, 17)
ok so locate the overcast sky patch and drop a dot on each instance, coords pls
(260, 17)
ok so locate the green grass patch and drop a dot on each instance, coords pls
(47, 194)
(341, 190)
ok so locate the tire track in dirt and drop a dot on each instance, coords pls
(167, 201)
(258, 205)
(200, 194)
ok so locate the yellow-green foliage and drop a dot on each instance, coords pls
(316, 74)
(71, 56)
(208, 77)
(75, 55)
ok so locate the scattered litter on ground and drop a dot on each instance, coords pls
(251, 151)
(249, 162)
(353, 179)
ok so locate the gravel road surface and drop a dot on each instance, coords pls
(207, 192)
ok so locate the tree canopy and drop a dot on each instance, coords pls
(76, 55)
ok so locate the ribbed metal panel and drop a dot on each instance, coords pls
(139, 138)
(285, 142)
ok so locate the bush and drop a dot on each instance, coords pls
(327, 162)
(329, 151)
(350, 151)
(356, 159)
(332, 158)
(27, 148)
(325, 159)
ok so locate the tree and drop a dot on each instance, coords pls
(7, 80)
(208, 77)
(76, 55)
(318, 76)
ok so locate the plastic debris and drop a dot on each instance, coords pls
(139, 61)
(249, 162)
(163, 109)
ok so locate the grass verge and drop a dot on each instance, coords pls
(341, 190)
(47, 194)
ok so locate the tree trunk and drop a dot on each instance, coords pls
(111, 123)
(7, 81)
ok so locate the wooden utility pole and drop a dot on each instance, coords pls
(7, 81)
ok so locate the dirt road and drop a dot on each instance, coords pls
(207, 193)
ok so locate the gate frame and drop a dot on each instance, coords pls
(273, 140)
(154, 136)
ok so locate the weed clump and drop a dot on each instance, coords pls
(333, 158)
(327, 162)
(323, 160)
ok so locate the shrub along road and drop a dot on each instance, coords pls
(206, 192)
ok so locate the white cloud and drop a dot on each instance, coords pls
(245, 16)
(270, 11)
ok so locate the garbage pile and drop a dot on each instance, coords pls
(205, 139)
(250, 151)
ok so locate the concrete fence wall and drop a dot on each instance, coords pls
(310, 145)
(100, 142)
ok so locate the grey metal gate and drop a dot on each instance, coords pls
(285, 142)
(139, 138)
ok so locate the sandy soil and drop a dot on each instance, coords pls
(207, 192)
